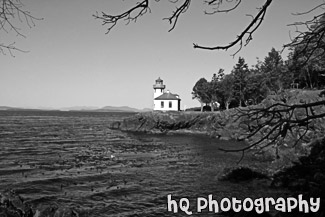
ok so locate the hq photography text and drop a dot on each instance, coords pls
(260, 205)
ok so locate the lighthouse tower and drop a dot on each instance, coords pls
(159, 88)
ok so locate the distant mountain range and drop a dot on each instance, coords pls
(8, 108)
(81, 108)
(122, 108)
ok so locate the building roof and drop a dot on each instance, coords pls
(159, 79)
(168, 96)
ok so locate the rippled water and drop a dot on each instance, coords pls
(72, 159)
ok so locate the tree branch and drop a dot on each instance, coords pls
(271, 124)
(218, 3)
(174, 18)
(310, 42)
(10, 48)
(11, 10)
(112, 20)
(249, 30)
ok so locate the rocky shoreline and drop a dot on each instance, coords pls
(221, 124)
(305, 175)
(232, 124)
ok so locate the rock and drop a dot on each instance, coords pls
(12, 205)
(224, 138)
(307, 176)
(238, 174)
(241, 138)
(301, 184)
(214, 124)
(319, 177)
(115, 125)
(54, 211)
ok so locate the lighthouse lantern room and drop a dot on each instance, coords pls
(159, 88)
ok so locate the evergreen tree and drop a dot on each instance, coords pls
(272, 69)
(240, 73)
(226, 91)
(215, 89)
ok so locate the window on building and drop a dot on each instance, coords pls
(170, 104)
(162, 104)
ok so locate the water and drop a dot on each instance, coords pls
(73, 160)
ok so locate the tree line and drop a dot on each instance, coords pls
(243, 86)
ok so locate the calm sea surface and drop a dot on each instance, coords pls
(73, 160)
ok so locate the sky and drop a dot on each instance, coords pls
(72, 62)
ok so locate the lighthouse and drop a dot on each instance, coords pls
(159, 88)
(164, 101)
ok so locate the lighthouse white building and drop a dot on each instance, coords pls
(164, 100)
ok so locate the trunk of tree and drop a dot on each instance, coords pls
(309, 77)
(240, 103)
(227, 105)
(212, 107)
(201, 107)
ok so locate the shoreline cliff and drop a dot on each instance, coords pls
(220, 124)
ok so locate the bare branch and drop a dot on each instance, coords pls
(304, 39)
(218, 3)
(174, 18)
(311, 10)
(10, 12)
(140, 9)
(310, 43)
(10, 48)
(271, 124)
(250, 29)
